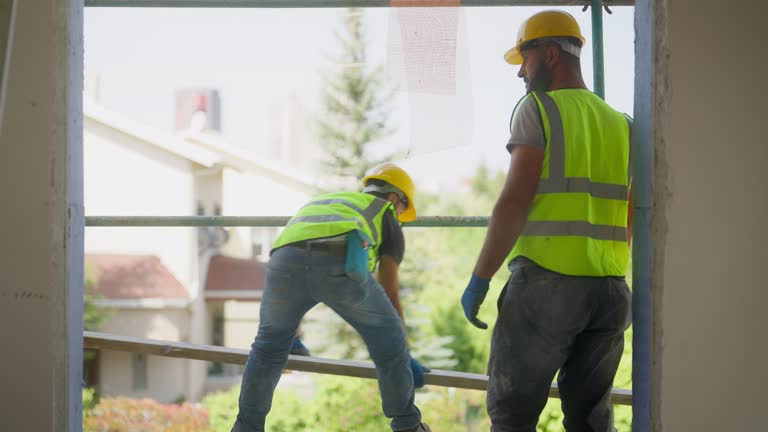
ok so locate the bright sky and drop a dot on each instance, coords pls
(259, 57)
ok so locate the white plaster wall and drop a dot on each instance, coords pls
(710, 212)
(41, 270)
(167, 378)
(127, 177)
(241, 323)
(208, 186)
(249, 195)
(163, 324)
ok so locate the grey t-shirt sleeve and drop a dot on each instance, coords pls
(526, 126)
(392, 239)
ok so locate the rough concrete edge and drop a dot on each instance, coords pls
(68, 412)
(662, 198)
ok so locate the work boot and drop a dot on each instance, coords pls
(298, 348)
(422, 427)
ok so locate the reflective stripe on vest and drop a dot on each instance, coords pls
(336, 214)
(559, 183)
(577, 222)
(369, 213)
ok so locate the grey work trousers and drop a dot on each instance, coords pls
(549, 322)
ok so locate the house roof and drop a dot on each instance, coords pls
(231, 278)
(246, 160)
(206, 148)
(133, 277)
(98, 114)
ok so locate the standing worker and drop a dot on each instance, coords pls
(327, 254)
(561, 223)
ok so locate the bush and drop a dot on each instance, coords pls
(222, 408)
(125, 414)
(346, 404)
(89, 400)
(288, 414)
(453, 410)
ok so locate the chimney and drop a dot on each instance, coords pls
(198, 109)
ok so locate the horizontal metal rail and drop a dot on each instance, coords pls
(357, 369)
(335, 3)
(258, 221)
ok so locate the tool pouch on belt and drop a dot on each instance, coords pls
(356, 265)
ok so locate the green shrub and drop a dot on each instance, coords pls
(89, 400)
(346, 404)
(222, 408)
(289, 413)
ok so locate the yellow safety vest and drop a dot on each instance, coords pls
(338, 213)
(578, 222)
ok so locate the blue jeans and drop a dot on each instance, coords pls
(549, 321)
(297, 279)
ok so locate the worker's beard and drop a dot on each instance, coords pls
(541, 80)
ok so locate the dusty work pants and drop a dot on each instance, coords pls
(548, 321)
(297, 279)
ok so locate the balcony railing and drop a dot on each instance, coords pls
(357, 369)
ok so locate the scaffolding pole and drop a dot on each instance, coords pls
(334, 3)
(598, 63)
(259, 221)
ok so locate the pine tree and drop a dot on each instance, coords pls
(356, 112)
(356, 101)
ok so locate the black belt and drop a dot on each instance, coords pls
(336, 248)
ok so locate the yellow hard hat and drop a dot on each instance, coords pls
(551, 23)
(400, 179)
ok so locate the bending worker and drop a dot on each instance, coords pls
(560, 223)
(326, 254)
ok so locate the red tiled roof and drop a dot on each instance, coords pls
(226, 273)
(133, 277)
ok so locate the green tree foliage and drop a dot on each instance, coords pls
(93, 314)
(355, 114)
(355, 100)
(341, 404)
(89, 400)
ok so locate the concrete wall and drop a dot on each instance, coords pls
(709, 217)
(41, 271)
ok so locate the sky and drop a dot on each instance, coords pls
(455, 119)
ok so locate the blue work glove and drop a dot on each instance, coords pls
(418, 372)
(472, 299)
(298, 348)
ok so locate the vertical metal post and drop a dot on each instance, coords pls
(642, 187)
(597, 48)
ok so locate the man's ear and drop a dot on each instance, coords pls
(552, 55)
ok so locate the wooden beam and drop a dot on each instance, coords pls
(349, 368)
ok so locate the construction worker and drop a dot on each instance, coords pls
(327, 254)
(561, 223)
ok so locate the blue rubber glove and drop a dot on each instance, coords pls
(472, 299)
(298, 348)
(418, 372)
